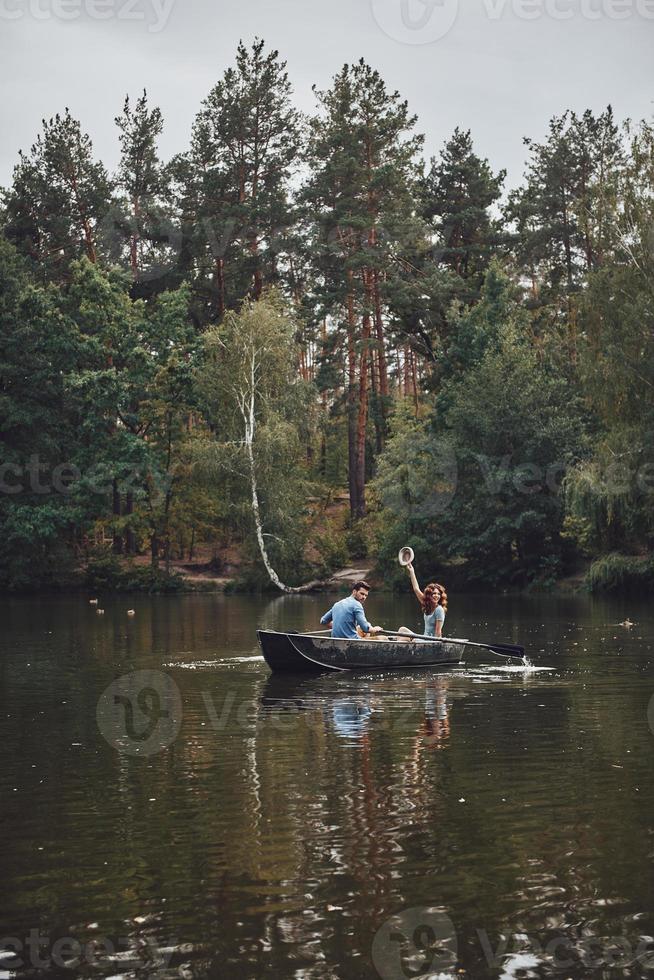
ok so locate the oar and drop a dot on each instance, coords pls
(304, 633)
(503, 649)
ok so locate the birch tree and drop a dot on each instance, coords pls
(253, 395)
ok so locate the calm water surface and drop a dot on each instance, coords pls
(205, 819)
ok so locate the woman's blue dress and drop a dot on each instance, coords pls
(438, 615)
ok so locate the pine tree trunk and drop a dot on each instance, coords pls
(116, 509)
(414, 381)
(134, 240)
(376, 402)
(130, 537)
(220, 283)
(407, 371)
(323, 398)
(384, 390)
(400, 391)
(351, 401)
(154, 551)
(567, 247)
(258, 276)
(362, 420)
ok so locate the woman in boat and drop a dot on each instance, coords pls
(433, 602)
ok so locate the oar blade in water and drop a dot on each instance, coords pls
(507, 649)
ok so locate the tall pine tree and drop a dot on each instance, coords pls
(362, 156)
(59, 198)
(234, 182)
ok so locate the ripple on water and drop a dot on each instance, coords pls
(212, 664)
(278, 831)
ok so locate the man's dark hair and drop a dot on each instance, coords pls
(360, 585)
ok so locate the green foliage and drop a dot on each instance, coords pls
(415, 475)
(252, 397)
(515, 429)
(466, 359)
(332, 547)
(457, 196)
(107, 574)
(59, 198)
(142, 225)
(621, 574)
(480, 481)
(613, 490)
(233, 183)
(35, 550)
(564, 213)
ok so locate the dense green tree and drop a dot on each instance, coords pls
(563, 214)
(234, 182)
(59, 198)
(147, 233)
(131, 400)
(498, 363)
(481, 480)
(457, 197)
(362, 154)
(612, 491)
(515, 430)
(37, 348)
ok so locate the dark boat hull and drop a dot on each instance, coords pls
(302, 653)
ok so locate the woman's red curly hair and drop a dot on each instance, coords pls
(432, 598)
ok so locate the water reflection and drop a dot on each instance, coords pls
(289, 819)
(351, 715)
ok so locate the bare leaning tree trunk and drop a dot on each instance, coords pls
(247, 409)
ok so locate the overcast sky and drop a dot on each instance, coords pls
(501, 68)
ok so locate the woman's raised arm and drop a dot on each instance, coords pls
(414, 582)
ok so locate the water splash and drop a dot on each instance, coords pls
(211, 664)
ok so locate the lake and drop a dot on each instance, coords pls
(170, 809)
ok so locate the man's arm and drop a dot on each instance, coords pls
(327, 618)
(361, 620)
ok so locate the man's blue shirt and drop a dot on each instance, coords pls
(344, 617)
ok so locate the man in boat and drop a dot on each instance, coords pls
(347, 614)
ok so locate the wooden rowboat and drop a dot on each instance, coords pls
(306, 653)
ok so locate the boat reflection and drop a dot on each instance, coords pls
(352, 707)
